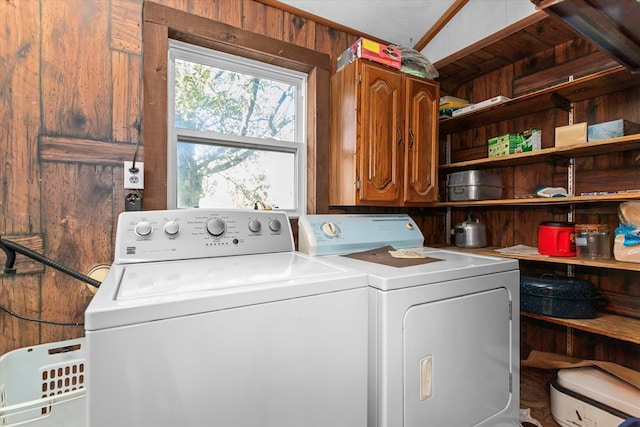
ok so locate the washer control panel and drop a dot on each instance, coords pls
(165, 235)
(342, 234)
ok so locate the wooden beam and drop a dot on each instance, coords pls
(88, 151)
(440, 23)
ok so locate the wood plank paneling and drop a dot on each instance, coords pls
(126, 115)
(299, 31)
(19, 120)
(262, 19)
(523, 39)
(76, 77)
(125, 25)
(59, 149)
(64, 298)
(20, 295)
(230, 12)
(332, 42)
(554, 75)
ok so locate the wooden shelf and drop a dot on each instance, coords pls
(605, 146)
(611, 263)
(557, 96)
(610, 325)
(533, 34)
(541, 201)
(624, 143)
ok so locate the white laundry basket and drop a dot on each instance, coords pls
(44, 385)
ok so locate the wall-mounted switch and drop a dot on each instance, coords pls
(134, 176)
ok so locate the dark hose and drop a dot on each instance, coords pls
(10, 248)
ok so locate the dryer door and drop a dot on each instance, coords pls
(457, 355)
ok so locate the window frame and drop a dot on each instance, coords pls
(161, 24)
(213, 58)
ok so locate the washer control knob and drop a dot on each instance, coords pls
(330, 229)
(143, 228)
(171, 228)
(216, 227)
(274, 225)
(254, 226)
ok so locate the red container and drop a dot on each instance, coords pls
(557, 238)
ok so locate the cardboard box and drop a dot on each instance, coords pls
(612, 129)
(502, 145)
(571, 135)
(374, 51)
(529, 140)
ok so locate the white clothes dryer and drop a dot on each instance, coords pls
(210, 318)
(443, 328)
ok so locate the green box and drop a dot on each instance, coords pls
(529, 140)
(503, 145)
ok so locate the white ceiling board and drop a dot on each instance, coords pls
(477, 20)
(405, 22)
(401, 22)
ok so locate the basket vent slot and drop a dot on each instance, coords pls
(61, 378)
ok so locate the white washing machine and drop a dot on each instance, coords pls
(443, 331)
(210, 318)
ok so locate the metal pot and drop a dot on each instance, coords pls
(470, 233)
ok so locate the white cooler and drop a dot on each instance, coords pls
(590, 397)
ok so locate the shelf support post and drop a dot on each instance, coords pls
(569, 341)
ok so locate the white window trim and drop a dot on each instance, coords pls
(210, 57)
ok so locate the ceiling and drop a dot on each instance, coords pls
(406, 22)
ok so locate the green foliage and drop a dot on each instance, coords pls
(228, 103)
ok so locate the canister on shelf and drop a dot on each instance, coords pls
(593, 241)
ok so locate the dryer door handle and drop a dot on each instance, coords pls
(426, 378)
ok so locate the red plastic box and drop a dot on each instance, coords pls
(374, 51)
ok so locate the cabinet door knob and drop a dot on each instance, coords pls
(411, 138)
(399, 135)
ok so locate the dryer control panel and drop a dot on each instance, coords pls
(342, 234)
(166, 235)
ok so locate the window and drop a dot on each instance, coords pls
(161, 26)
(236, 130)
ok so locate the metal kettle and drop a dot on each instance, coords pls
(470, 233)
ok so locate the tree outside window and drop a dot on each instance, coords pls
(237, 132)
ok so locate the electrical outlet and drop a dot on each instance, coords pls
(134, 179)
(133, 202)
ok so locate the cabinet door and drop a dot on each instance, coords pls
(421, 180)
(381, 144)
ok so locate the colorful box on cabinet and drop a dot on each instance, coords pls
(373, 51)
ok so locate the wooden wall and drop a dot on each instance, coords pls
(70, 114)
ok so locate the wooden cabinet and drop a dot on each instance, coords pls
(384, 137)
